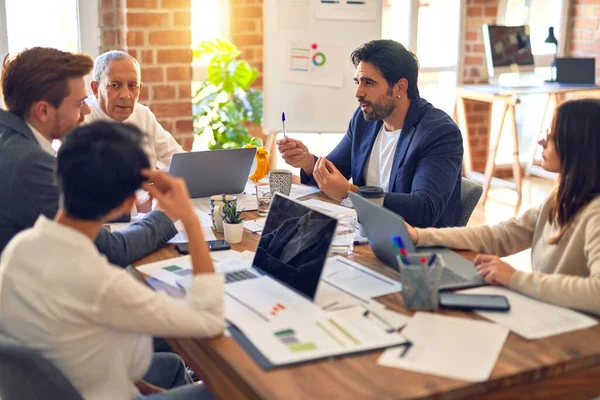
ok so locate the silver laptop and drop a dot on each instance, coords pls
(292, 248)
(213, 172)
(380, 224)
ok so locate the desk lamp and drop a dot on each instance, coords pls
(552, 40)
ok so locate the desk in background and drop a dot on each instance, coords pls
(503, 101)
(559, 366)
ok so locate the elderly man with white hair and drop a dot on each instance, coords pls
(116, 86)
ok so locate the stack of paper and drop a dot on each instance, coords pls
(533, 319)
(456, 348)
(328, 208)
(255, 225)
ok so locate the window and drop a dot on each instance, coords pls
(210, 20)
(415, 23)
(57, 25)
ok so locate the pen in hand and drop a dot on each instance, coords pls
(283, 123)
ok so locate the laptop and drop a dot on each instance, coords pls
(380, 224)
(292, 248)
(207, 173)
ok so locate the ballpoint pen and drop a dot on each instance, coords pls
(399, 245)
(432, 259)
(283, 123)
(374, 317)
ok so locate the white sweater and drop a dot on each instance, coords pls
(158, 144)
(566, 273)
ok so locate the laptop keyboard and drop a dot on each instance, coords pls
(239, 276)
(450, 277)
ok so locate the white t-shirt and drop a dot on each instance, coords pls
(379, 165)
(158, 144)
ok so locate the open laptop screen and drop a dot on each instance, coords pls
(294, 244)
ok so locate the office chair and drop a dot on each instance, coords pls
(470, 193)
(25, 374)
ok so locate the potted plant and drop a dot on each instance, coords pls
(233, 227)
(224, 105)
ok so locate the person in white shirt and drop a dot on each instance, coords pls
(92, 319)
(116, 88)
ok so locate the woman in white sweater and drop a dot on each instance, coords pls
(563, 232)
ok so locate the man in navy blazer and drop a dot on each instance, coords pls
(44, 90)
(396, 140)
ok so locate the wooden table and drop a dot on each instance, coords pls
(503, 101)
(567, 364)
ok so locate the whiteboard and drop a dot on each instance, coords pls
(310, 107)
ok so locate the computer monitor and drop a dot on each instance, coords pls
(507, 49)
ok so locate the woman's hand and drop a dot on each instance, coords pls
(414, 235)
(494, 270)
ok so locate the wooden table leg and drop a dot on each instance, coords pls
(536, 137)
(461, 118)
(517, 173)
(499, 109)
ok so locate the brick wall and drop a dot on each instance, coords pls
(477, 13)
(246, 32)
(584, 40)
(157, 33)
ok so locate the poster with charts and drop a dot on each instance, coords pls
(354, 10)
(312, 63)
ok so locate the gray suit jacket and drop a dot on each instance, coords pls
(28, 189)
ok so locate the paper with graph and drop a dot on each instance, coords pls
(287, 328)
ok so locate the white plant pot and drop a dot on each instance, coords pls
(233, 232)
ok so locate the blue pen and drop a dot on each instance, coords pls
(432, 259)
(399, 245)
(283, 123)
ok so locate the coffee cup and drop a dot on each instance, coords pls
(280, 180)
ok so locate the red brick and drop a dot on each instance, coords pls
(133, 53)
(184, 126)
(166, 124)
(147, 57)
(183, 19)
(582, 35)
(585, 22)
(185, 91)
(181, 37)
(163, 92)
(172, 109)
(174, 56)
(177, 4)
(186, 141)
(593, 48)
(474, 60)
(474, 12)
(135, 38)
(148, 19)
(109, 18)
(246, 12)
(179, 73)
(244, 25)
(479, 48)
(472, 35)
(490, 11)
(247, 40)
(144, 94)
(142, 3)
(154, 74)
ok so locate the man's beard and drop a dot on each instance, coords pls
(380, 110)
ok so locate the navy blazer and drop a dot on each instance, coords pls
(27, 189)
(426, 171)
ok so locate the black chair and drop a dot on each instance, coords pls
(25, 374)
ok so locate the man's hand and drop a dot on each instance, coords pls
(330, 179)
(172, 195)
(143, 204)
(494, 270)
(296, 154)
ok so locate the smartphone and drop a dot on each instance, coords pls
(485, 302)
(213, 245)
